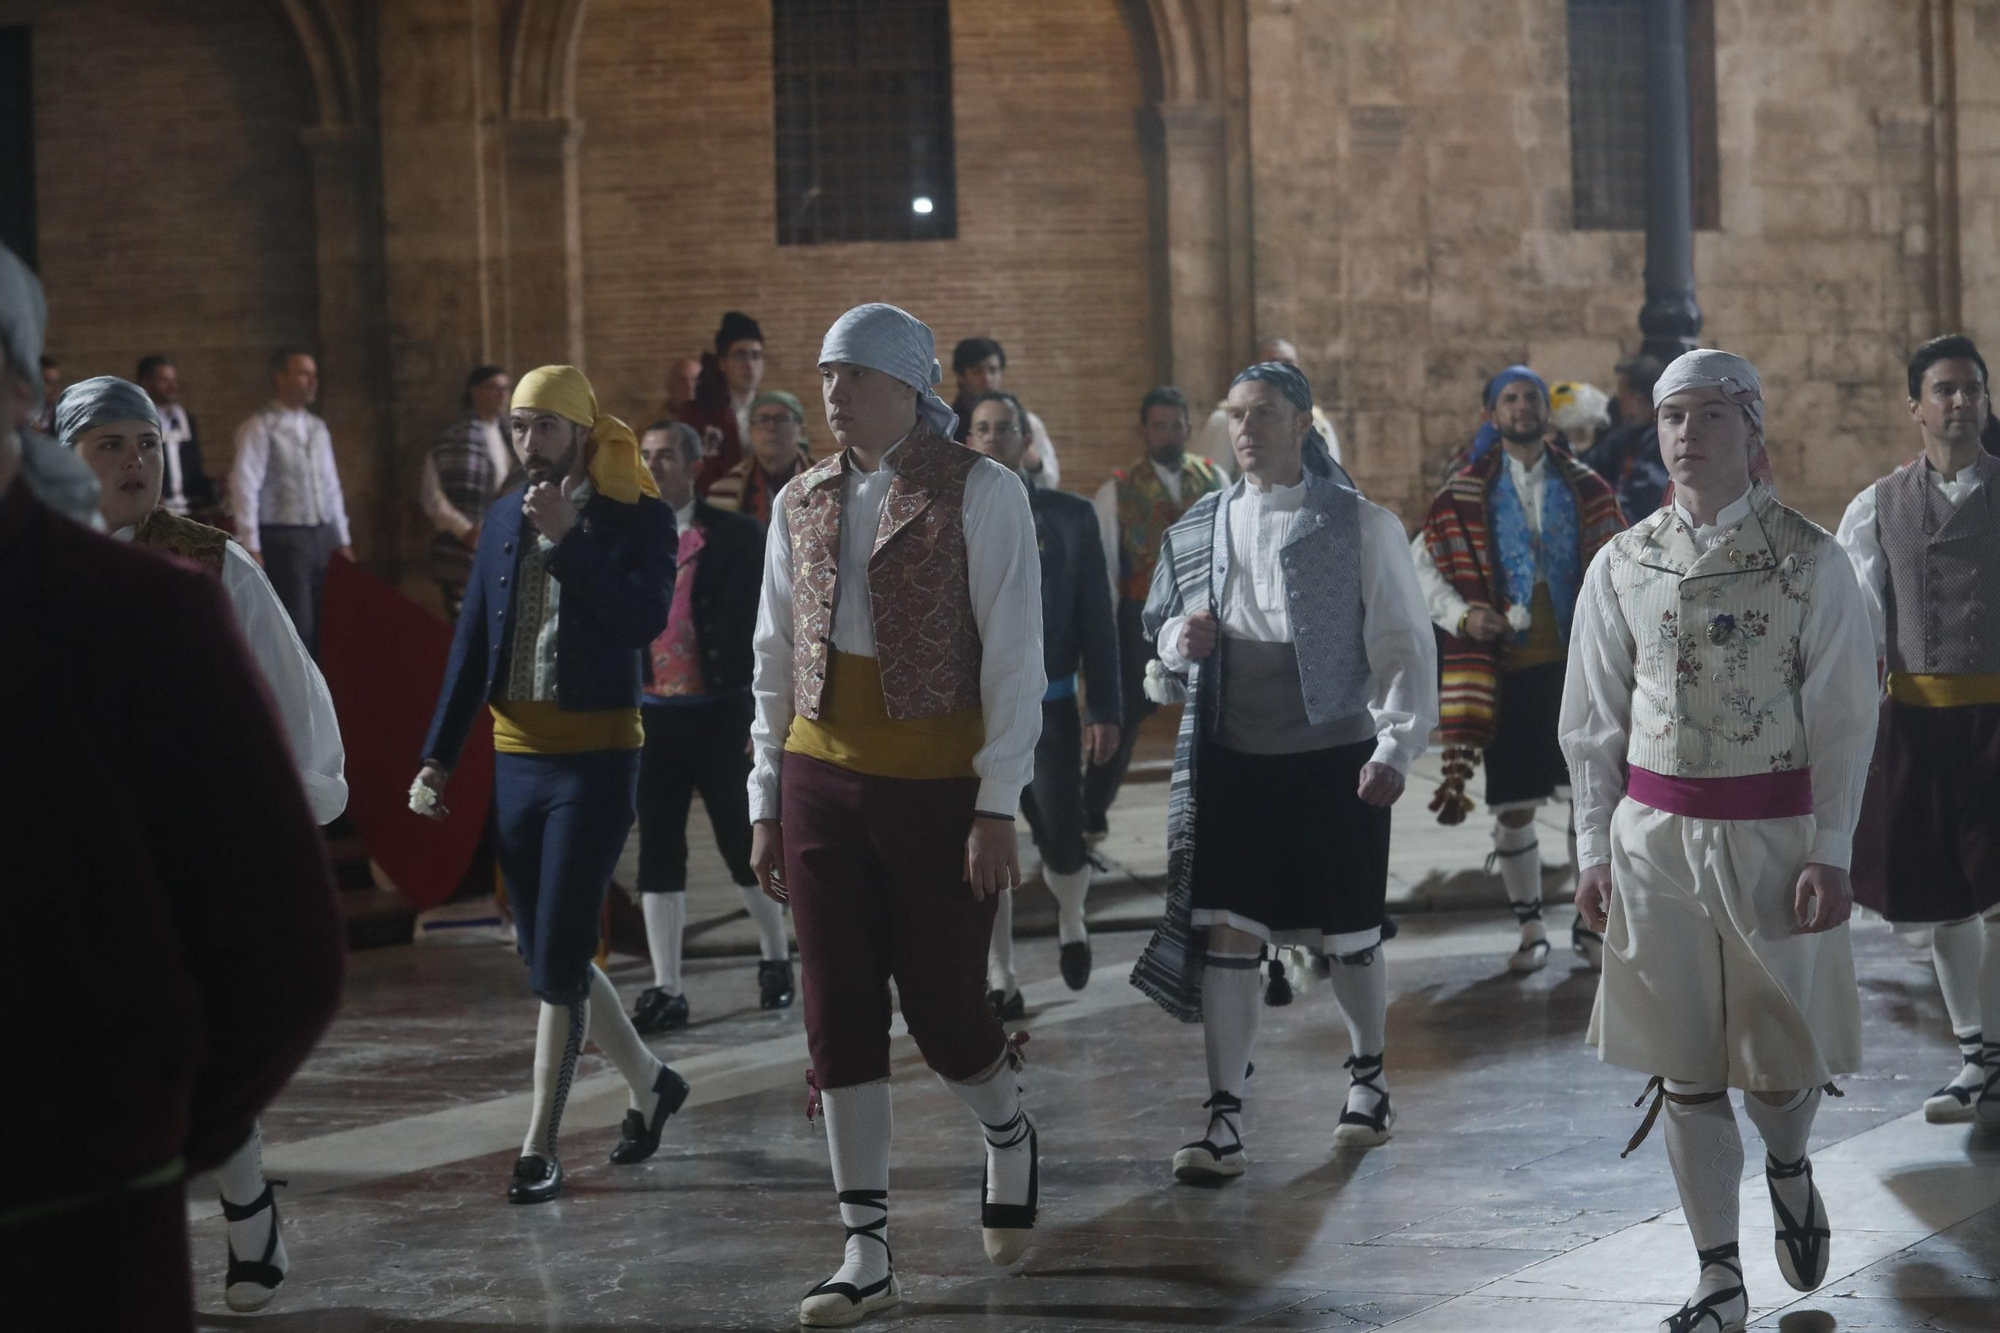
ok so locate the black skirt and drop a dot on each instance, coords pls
(1284, 848)
(1928, 849)
(1524, 760)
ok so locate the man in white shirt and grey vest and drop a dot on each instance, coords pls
(290, 512)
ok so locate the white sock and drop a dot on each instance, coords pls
(1989, 979)
(612, 1032)
(1000, 954)
(240, 1179)
(1231, 1002)
(558, 1042)
(1956, 950)
(996, 1100)
(1362, 987)
(1517, 852)
(1070, 891)
(769, 918)
(666, 922)
(1707, 1156)
(858, 1123)
(1786, 1128)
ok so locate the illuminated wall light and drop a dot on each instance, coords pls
(922, 204)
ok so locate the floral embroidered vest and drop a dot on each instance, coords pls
(183, 537)
(1146, 509)
(1716, 633)
(920, 599)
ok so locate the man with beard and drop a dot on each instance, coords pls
(571, 583)
(1135, 507)
(1500, 557)
(187, 488)
(1925, 541)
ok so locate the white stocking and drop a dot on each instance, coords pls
(666, 922)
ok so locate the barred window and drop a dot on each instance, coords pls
(1607, 114)
(864, 132)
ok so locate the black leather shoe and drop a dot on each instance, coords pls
(536, 1180)
(1005, 1005)
(1278, 990)
(774, 985)
(659, 1012)
(1076, 964)
(638, 1137)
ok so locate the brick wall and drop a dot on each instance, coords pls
(175, 198)
(678, 199)
(1412, 221)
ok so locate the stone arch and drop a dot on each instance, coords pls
(328, 48)
(538, 46)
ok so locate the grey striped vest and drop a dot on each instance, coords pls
(1944, 572)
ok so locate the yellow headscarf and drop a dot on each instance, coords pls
(616, 469)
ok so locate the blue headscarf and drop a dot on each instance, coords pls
(91, 403)
(1488, 434)
(897, 343)
(1292, 382)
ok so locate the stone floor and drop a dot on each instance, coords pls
(1500, 1204)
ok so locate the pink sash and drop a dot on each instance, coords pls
(1759, 796)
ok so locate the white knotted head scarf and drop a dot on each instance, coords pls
(892, 340)
(1732, 376)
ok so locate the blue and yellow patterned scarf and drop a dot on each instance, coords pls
(1524, 560)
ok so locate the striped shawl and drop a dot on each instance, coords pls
(1460, 544)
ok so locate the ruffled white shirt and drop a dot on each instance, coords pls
(305, 706)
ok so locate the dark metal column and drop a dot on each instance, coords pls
(1670, 318)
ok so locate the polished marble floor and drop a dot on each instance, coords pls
(1501, 1203)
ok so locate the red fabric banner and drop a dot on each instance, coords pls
(384, 658)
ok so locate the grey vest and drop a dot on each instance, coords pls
(1321, 559)
(1944, 572)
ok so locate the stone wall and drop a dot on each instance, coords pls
(176, 202)
(1413, 204)
(677, 187)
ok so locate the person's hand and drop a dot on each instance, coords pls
(1380, 785)
(1198, 636)
(767, 859)
(1100, 742)
(1824, 898)
(1484, 624)
(711, 441)
(991, 864)
(345, 553)
(471, 538)
(1593, 896)
(1031, 461)
(434, 777)
(549, 510)
(258, 556)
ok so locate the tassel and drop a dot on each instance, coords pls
(813, 1107)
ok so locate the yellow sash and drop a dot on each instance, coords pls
(544, 728)
(1954, 691)
(854, 730)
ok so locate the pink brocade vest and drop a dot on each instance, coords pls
(926, 639)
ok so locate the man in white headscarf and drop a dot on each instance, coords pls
(114, 428)
(898, 687)
(1717, 720)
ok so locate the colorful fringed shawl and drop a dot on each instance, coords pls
(1460, 541)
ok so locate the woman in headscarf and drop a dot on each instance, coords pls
(572, 581)
(899, 697)
(114, 428)
(1717, 719)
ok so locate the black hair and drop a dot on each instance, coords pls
(479, 376)
(1640, 373)
(281, 360)
(49, 362)
(683, 434)
(150, 364)
(1951, 347)
(999, 396)
(1162, 395)
(971, 351)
